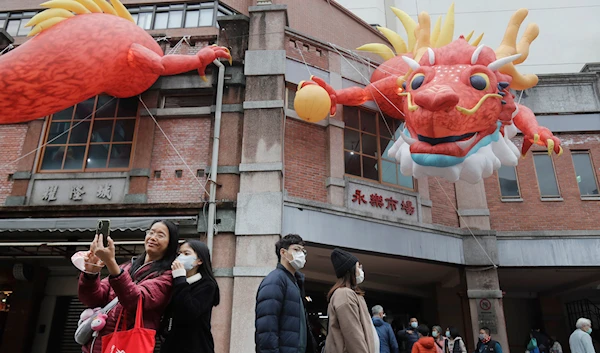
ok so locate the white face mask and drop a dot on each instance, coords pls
(361, 276)
(187, 261)
(414, 324)
(299, 260)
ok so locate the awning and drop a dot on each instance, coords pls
(85, 224)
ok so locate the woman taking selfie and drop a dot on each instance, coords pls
(195, 292)
(147, 276)
(351, 329)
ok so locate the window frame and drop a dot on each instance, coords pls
(543, 197)
(214, 5)
(380, 157)
(17, 16)
(510, 198)
(88, 143)
(589, 154)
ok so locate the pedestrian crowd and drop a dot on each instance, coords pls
(173, 290)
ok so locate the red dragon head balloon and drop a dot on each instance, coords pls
(454, 98)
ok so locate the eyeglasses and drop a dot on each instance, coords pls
(152, 233)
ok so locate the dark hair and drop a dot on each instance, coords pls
(286, 242)
(205, 269)
(423, 330)
(453, 332)
(486, 329)
(170, 255)
(348, 281)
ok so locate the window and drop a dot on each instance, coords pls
(14, 22)
(584, 172)
(367, 141)
(290, 95)
(181, 15)
(102, 141)
(187, 100)
(509, 185)
(544, 168)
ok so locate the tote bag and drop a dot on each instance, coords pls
(136, 340)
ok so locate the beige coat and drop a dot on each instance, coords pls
(350, 327)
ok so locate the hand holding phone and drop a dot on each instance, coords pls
(104, 229)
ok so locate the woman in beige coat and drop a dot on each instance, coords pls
(351, 329)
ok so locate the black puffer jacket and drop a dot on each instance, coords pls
(278, 313)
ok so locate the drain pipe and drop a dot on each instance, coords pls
(212, 206)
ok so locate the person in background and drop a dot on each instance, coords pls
(195, 293)
(387, 339)
(441, 343)
(581, 339)
(425, 344)
(281, 319)
(556, 346)
(486, 344)
(350, 327)
(543, 341)
(410, 335)
(455, 342)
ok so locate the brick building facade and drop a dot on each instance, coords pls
(430, 248)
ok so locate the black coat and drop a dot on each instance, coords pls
(187, 317)
(278, 313)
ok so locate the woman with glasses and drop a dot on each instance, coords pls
(147, 276)
(195, 293)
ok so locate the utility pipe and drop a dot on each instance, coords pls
(212, 206)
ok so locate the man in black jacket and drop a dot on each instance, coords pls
(281, 319)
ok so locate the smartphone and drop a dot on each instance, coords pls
(104, 229)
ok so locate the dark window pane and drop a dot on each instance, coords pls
(106, 107)
(161, 19)
(388, 130)
(58, 132)
(369, 145)
(175, 19)
(191, 19)
(145, 20)
(128, 107)
(85, 109)
(351, 140)
(290, 97)
(124, 130)
(53, 156)
(352, 162)
(388, 172)
(119, 156)
(385, 146)
(97, 156)
(75, 155)
(351, 117)
(545, 175)
(508, 181)
(405, 181)
(367, 122)
(585, 174)
(183, 101)
(102, 130)
(66, 114)
(370, 168)
(79, 133)
(206, 17)
(13, 27)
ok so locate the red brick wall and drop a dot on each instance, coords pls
(305, 160)
(443, 207)
(192, 139)
(11, 143)
(534, 214)
(315, 56)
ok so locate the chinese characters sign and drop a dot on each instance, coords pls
(381, 201)
(78, 191)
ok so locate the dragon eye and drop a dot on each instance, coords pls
(417, 81)
(480, 81)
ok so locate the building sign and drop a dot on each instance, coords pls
(385, 202)
(486, 315)
(77, 191)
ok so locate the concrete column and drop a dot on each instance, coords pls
(426, 204)
(260, 200)
(472, 205)
(335, 137)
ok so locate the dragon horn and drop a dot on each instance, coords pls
(476, 54)
(503, 61)
(431, 56)
(413, 64)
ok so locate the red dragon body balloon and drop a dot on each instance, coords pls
(454, 98)
(82, 49)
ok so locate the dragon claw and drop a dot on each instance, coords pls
(204, 78)
(550, 144)
(536, 138)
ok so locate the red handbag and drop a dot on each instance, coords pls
(136, 340)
